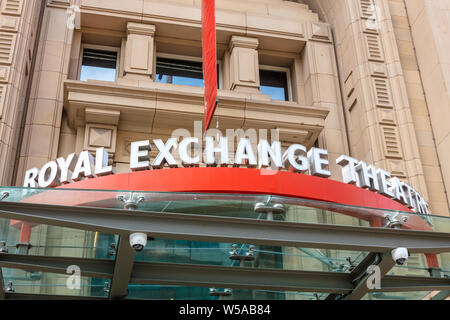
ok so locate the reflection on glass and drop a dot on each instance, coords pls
(261, 257)
(225, 205)
(98, 65)
(181, 72)
(48, 240)
(138, 291)
(45, 283)
(275, 84)
(189, 73)
(97, 73)
(417, 265)
(417, 295)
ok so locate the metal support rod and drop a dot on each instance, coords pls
(122, 269)
(243, 277)
(222, 277)
(31, 296)
(358, 272)
(124, 256)
(2, 286)
(226, 229)
(361, 288)
(95, 268)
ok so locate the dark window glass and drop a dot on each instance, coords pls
(172, 71)
(98, 65)
(275, 84)
(189, 73)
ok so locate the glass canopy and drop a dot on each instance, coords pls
(35, 251)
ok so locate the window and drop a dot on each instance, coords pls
(99, 63)
(275, 82)
(176, 70)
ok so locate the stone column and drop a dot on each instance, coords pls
(139, 51)
(320, 84)
(18, 22)
(244, 64)
(42, 130)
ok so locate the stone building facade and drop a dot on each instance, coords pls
(367, 78)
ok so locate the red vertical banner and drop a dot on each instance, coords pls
(209, 59)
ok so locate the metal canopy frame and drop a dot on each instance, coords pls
(2, 286)
(225, 229)
(227, 277)
(123, 270)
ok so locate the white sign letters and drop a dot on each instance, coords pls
(296, 158)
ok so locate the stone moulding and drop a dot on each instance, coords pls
(176, 19)
(148, 109)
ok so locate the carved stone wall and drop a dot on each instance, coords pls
(384, 103)
(18, 25)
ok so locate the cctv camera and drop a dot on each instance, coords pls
(138, 241)
(400, 255)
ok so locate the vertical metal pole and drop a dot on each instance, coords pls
(2, 286)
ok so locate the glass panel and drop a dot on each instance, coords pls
(416, 265)
(444, 262)
(274, 83)
(417, 295)
(137, 291)
(181, 72)
(98, 65)
(45, 283)
(58, 241)
(47, 240)
(245, 255)
(227, 205)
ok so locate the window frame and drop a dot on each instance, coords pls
(98, 47)
(190, 58)
(288, 77)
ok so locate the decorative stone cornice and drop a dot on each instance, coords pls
(173, 19)
(158, 106)
(141, 29)
(243, 42)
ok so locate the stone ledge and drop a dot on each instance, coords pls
(162, 108)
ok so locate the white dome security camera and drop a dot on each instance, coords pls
(400, 255)
(138, 241)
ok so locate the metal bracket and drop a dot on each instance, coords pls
(5, 194)
(10, 287)
(106, 287)
(225, 293)
(130, 203)
(112, 249)
(249, 256)
(3, 248)
(351, 264)
(275, 209)
(23, 247)
(394, 221)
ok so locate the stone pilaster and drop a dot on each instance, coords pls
(43, 125)
(18, 22)
(139, 51)
(244, 64)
